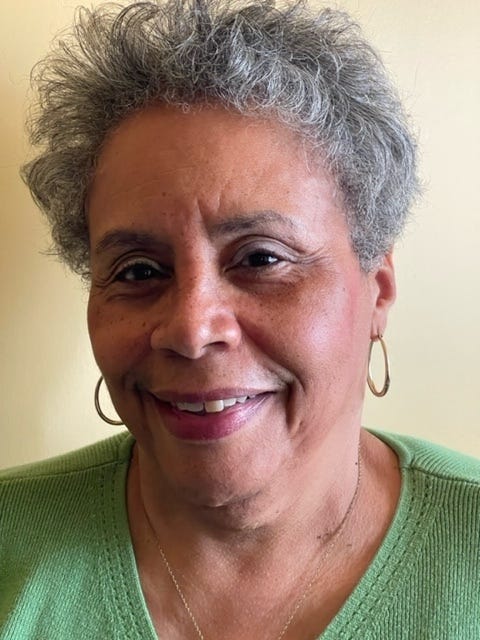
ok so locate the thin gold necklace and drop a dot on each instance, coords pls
(325, 555)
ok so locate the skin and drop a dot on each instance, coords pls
(197, 290)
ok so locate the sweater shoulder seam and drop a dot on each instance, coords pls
(43, 475)
(441, 476)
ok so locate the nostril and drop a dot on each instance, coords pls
(192, 334)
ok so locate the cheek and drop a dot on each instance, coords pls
(328, 339)
(317, 332)
(118, 340)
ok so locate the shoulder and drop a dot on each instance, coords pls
(47, 495)
(43, 505)
(433, 460)
(61, 522)
(432, 546)
(440, 495)
(106, 452)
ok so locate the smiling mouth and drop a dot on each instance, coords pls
(210, 406)
(211, 415)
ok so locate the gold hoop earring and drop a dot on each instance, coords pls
(386, 382)
(98, 408)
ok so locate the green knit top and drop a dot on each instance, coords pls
(67, 567)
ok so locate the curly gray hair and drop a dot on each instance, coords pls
(313, 71)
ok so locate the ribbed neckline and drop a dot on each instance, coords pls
(395, 557)
(123, 577)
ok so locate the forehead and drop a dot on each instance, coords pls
(208, 159)
(207, 124)
(162, 130)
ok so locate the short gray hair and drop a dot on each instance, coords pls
(312, 71)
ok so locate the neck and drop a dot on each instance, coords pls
(305, 502)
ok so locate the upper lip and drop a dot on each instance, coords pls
(205, 396)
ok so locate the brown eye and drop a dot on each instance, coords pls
(260, 259)
(141, 271)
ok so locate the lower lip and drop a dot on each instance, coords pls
(209, 426)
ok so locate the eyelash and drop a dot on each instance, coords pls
(155, 270)
(264, 253)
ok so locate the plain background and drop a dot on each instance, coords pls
(47, 372)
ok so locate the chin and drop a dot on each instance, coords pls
(225, 474)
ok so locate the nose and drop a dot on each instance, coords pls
(196, 317)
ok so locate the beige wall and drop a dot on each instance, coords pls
(47, 373)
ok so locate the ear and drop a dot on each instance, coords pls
(384, 291)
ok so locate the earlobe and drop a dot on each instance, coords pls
(385, 292)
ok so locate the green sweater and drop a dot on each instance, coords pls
(67, 568)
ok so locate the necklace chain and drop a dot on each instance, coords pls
(179, 591)
(326, 554)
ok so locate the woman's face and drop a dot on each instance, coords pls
(228, 313)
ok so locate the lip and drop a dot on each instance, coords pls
(205, 396)
(210, 426)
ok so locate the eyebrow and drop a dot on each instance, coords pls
(125, 238)
(253, 221)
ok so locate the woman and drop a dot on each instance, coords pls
(231, 181)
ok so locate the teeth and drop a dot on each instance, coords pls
(214, 406)
(195, 407)
(210, 406)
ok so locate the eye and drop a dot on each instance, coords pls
(259, 258)
(140, 270)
